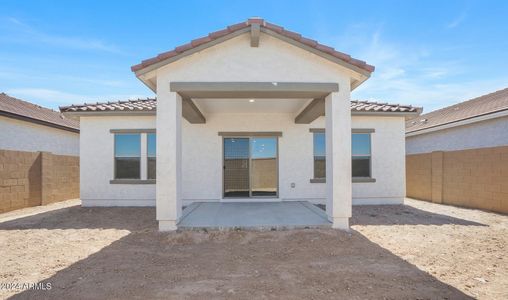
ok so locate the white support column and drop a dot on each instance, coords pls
(169, 158)
(338, 157)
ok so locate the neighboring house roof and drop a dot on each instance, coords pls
(264, 26)
(18, 109)
(455, 115)
(150, 105)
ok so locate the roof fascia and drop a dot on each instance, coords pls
(472, 120)
(37, 121)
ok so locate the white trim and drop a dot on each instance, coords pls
(477, 119)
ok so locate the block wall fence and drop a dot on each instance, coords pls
(36, 178)
(475, 178)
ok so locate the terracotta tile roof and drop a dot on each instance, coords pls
(147, 104)
(16, 108)
(263, 24)
(483, 105)
(150, 104)
(369, 106)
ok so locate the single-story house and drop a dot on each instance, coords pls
(39, 155)
(476, 123)
(458, 155)
(250, 113)
(25, 126)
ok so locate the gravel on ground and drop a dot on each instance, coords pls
(418, 250)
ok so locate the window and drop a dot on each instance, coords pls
(150, 153)
(361, 155)
(127, 156)
(319, 155)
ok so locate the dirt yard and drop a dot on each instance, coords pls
(416, 251)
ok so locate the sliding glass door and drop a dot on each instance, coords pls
(263, 165)
(236, 167)
(250, 167)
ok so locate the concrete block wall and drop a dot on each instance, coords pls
(419, 176)
(60, 177)
(36, 178)
(475, 178)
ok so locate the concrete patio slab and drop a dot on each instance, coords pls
(253, 215)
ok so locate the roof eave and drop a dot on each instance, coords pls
(37, 121)
(142, 72)
(78, 114)
(475, 119)
(385, 113)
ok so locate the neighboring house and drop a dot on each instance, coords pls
(28, 127)
(459, 154)
(39, 150)
(240, 116)
(477, 123)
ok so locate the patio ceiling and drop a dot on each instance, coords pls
(238, 97)
(250, 105)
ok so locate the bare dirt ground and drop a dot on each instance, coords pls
(416, 251)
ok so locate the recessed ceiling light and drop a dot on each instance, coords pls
(252, 100)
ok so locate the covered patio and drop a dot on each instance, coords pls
(252, 84)
(253, 215)
(223, 113)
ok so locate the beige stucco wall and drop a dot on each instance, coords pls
(235, 60)
(483, 134)
(388, 161)
(26, 136)
(202, 159)
(201, 146)
(97, 163)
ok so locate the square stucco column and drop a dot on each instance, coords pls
(338, 158)
(169, 159)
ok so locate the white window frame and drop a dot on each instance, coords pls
(368, 131)
(143, 156)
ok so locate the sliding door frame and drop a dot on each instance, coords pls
(250, 136)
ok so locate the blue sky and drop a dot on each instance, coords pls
(426, 53)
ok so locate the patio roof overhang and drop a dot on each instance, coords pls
(314, 92)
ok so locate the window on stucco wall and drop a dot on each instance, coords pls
(319, 155)
(360, 151)
(127, 156)
(151, 157)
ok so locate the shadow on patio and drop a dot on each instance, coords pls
(314, 263)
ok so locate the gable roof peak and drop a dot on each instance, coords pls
(208, 40)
